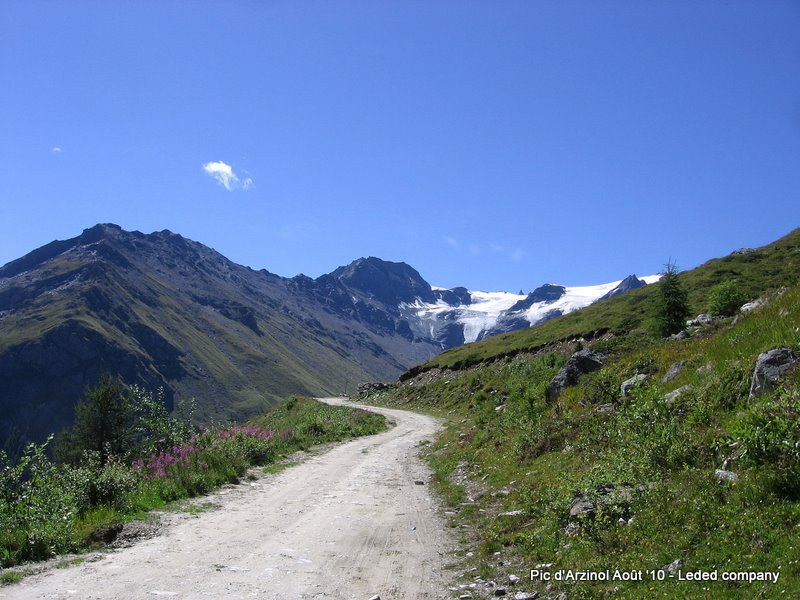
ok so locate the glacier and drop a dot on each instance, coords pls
(489, 313)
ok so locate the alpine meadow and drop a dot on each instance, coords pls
(356, 300)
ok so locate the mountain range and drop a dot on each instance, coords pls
(164, 311)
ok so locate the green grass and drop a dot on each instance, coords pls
(192, 508)
(9, 577)
(275, 468)
(535, 457)
(48, 509)
(314, 422)
(629, 316)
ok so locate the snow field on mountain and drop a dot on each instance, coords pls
(486, 308)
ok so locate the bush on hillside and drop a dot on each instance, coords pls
(115, 421)
(768, 436)
(724, 299)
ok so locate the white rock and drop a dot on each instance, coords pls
(723, 475)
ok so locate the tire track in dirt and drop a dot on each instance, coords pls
(348, 523)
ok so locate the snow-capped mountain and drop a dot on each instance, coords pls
(160, 310)
(460, 316)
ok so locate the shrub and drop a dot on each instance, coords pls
(94, 483)
(651, 435)
(724, 299)
(768, 435)
(155, 429)
(37, 507)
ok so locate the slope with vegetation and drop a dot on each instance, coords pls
(684, 472)
(629, 318)
(126, 456)
(160, 310)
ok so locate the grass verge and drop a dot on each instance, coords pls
(48, 509)
(594, 483)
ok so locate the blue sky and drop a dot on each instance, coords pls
(495, 145)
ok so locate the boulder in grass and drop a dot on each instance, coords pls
(675, 394)
(583, 361)
(673, 372)
(631, 383)
(725, 475)
(771, 367)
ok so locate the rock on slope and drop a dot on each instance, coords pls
(164, 311)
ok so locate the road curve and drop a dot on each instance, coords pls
(349, 523)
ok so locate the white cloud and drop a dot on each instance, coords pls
(515, 254)
(483, 248)
(56, 150)
(223, 174)
(452, 242)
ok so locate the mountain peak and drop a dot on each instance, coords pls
(103, 228)
(48, 251)
(631, 282)
(389, 282)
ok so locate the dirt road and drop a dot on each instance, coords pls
(347, 523)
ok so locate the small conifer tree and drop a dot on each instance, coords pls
(672, 302)
(103, 423)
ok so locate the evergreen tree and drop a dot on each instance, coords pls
(672, 303)
(103, 423)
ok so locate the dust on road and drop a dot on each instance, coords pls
(349, 523)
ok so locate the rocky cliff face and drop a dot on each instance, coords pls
(161, 310)
(389, 283)
(631, 282)
(164, 311)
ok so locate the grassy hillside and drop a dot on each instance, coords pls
(756, 271)
(162, 311)
(519, 472)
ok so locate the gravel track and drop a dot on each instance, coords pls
(349, 523)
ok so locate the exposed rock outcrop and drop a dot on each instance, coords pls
(612, 499)
(365, 389)
(700, 320)
(631, 383)
(631, 282)
(675, 394)
(545, 293)
(583, 361)
(771, 366)
(673, 372)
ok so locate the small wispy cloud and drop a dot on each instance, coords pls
(452, 242)
(513, 254)
(56, 150)
(224, 175)
(477, 248)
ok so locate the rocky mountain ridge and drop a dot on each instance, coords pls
(164, 311)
